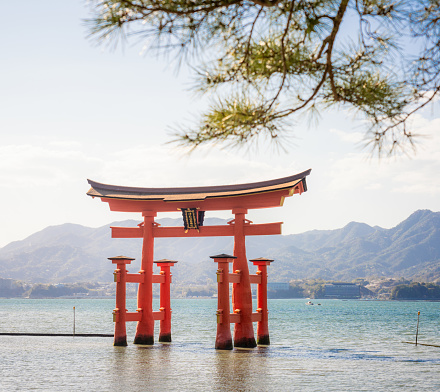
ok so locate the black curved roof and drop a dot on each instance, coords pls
(117, 191)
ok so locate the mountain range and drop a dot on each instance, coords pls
(74, 253)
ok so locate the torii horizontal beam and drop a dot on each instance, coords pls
(204, 231)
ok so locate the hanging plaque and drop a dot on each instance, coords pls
(190, 219)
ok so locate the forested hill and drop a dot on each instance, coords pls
(74, 253)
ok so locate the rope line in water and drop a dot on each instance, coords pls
(423, 344)
(96, 335)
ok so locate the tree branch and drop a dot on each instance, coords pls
(336, 24)
(267, 3)
(148, 10)
(283, 54)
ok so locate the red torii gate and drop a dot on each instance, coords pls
(149, 201)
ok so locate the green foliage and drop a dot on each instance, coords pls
(53, 291)
(267, 61)
(310, 288)
(416, 290)
(237, 121)
(315, 288)
(295, 291)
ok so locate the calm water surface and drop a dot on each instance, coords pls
(339, 346)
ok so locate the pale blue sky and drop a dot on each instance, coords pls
(70, 111)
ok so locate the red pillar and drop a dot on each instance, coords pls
(165, 299)
(223, 340)
(263, 325)
(119, 313)
(241, 292)
(145, 327)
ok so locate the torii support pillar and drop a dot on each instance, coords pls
(263, 325)
(165, 299)
(223, 340)
(119, 314)
(145, 327)
(241, 292)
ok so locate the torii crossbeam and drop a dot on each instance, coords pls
(193, 202)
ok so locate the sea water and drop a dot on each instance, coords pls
(336, 346)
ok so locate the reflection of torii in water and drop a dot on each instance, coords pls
(193, 201)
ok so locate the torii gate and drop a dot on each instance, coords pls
(193, 202)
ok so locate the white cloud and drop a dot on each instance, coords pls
(352, 137)
(416, 175)
(374, 187)
(24, 166)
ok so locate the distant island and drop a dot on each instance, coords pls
(416, 291)
(384, 289)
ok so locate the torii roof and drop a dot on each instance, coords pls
(262, 194)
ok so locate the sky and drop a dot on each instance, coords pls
(71, 110)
